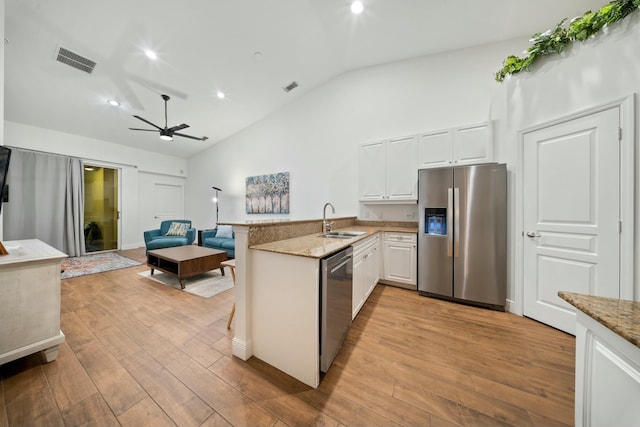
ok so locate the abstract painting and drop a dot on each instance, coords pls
(268, 194)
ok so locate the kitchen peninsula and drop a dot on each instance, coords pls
(607, 360)
(278, 288)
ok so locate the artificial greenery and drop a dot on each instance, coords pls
(557, 39)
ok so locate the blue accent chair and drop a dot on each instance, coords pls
(158, 239)
(209, 240)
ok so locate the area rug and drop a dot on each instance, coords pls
(204, 285)
(96, 263)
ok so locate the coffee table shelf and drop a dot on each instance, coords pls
(185, 261)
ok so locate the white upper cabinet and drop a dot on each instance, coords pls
(463, 145)
(388, 171)
(435, 149)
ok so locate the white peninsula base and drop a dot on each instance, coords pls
(30, 300)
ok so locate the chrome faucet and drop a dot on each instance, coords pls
(326, 226)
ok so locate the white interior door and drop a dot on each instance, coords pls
(571, 215)
(168, 202)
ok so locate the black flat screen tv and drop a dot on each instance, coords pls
(5, 156)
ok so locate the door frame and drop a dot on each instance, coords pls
(628, 161)
(118, 170)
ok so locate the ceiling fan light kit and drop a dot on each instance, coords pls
(167, 133)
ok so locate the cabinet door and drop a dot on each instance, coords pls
(372, 268)
(402, 171)
(400, 258)
(435, 149)
(372, 164)
(358, 286)
(472, 144)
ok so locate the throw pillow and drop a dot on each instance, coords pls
(225, 231)
(178, 229)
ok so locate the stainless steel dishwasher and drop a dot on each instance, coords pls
(335, 304)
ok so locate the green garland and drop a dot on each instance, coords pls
(557, 39)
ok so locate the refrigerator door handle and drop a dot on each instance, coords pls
(450, 222)
(456, 224)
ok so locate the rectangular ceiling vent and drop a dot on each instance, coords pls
(74, 60)
(291, 86)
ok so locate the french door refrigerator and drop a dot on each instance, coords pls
(462, 239)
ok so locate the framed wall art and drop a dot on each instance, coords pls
(268, 194)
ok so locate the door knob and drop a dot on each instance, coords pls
(532, 234)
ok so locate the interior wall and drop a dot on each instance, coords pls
(586, 75)
(129, 160)
(316, 137)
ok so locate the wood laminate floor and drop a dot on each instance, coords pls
(138, 353)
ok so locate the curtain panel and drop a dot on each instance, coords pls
(46, 200)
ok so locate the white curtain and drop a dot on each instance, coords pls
(46, 200)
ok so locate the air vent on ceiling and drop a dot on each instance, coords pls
(291, 86)
(74, 60)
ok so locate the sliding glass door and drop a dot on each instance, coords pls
(101, 212)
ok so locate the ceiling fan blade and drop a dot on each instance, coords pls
(178, 127)
(147, 121)
(204, 138)
(146, 130)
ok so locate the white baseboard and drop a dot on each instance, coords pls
(132, 246)
(242, 349)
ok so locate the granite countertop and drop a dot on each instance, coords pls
(317, 246)
(620, 316)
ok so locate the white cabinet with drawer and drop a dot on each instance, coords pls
(400, 259)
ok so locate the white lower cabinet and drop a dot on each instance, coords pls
(400, 259)
(366, 270)
(607, 376)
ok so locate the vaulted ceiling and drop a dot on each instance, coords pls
(247, 49)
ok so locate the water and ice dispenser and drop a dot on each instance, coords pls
(435, 221)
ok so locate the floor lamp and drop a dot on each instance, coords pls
(215, 199)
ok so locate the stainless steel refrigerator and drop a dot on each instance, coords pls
(462, 239)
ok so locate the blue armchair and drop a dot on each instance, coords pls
(158, 239)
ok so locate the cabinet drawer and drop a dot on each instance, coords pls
(365, 245)
(400, 237)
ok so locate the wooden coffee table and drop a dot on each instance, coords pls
(185, 261)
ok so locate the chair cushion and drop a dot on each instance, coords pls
(225, 231)
(166, 242)
(217, 242)
(178, 229)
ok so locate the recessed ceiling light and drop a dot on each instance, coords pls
(357, 7)
(220, 94)
(151, 54)
(113, 102)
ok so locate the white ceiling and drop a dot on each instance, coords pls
(210, 45)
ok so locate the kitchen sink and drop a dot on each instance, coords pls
(343, 234)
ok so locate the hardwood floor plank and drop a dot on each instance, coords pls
(225, 399)
(341, 407)
(216, 420)
(90, 412)
(276, 396)
(145, 413)
(4, 422)
(180, 403)
(540, 406)
(116, 385)
(22, 377)
(68, 380)
(34, 409)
